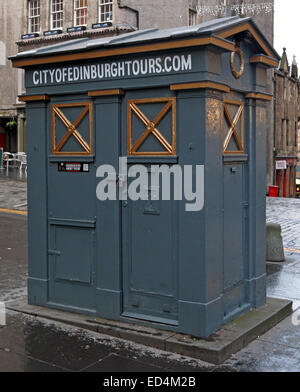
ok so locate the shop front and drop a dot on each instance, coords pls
(286, 170)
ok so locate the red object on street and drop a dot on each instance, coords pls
(2, 141)
(273, 191)
(284, 183)
(290, 181)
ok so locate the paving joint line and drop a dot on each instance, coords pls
(278, 344)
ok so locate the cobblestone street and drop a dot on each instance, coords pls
(286, 212)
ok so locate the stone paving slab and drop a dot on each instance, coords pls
(283, 280)
(120, 364)
(287, 333)
(30, 340)
(11, 362)
(262, 356)
(13, 194)
(230, 339)
(13, 256)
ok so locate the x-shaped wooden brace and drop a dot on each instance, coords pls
(72, 129)
(232, 130)
(151, 127)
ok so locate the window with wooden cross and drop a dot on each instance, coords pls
(152, 126)
(72, 129)
(233, 127)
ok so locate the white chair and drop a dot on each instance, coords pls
(21, 160)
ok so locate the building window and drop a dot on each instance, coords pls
(80, 12)
(105, 11)
(192, 17)
(57, 14)
(33, 16)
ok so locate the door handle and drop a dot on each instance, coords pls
(54, 252)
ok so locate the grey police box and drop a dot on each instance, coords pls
(188, 96)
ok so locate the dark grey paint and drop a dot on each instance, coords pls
(141, 262)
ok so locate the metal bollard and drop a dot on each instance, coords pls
(275, 251)
(1, 158)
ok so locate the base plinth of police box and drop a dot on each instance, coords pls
(233, 337)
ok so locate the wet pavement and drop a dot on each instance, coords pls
(13, 173)
(32, 344)
(40, 345)
(13, 256)
(13, 190)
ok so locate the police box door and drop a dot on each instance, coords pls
(149, 227)
(71, 204)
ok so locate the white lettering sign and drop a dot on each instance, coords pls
(281, 165)
(115, 70)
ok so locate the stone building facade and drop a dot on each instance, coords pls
(286, 117)
(12, 119)
(261, 11)
(36, 23)
(100, 18)
(298, 136)
(298, 165)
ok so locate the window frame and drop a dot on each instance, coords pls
(76, 9)
(101, 5)
(52, 13)
(194, 14)
(31, 6)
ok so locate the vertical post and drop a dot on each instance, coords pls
(21, 138)
(284, 184)
(290, 179)
(192, 297)
(1, 157)
(201, 273)
(257, 203)
(109, 278)
(37, 142)
(278, 181)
